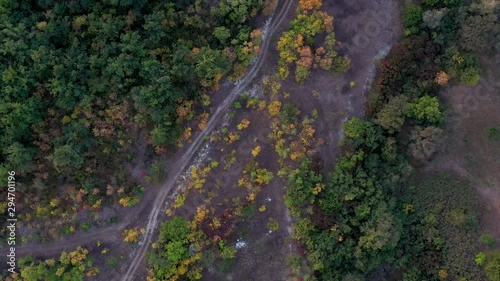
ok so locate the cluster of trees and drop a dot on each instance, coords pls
(367, 213)
(80, 77)
(440, 234)
(348, 224)
(454, 24)
(75, 265)
(294, 138)
(364, 215)
(172, 256)
(475, 26)
(184, 248)
(296, 45)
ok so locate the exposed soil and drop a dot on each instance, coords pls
(261, 251)
(366, 30)
(468, 151)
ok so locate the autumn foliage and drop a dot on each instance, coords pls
(296, 45)
(310, 4)
(442, 78)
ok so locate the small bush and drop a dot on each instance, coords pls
(248, 211)
(227, 252)
(480, 258)
(85, 226)
(272, 225)
(293, 261)
(470, 76)
(492, 268)
(494, 134)
(132, 235)
(157, 171)
(341, 64)
(487, 239)
(112, 261)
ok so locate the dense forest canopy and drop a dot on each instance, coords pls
(79, 78)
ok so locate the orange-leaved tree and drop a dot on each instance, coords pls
(310, 4)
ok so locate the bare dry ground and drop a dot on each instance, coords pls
(366, 30)
(468, 150)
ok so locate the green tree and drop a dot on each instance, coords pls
(330, 41)
(433, 18)
(171, 248)
(157, 170)
(431, 3)
(19, 157)
(380, 233)
(67, 156)
(17, 119)
(341, 64)
(227, 251)
(412, 17)
(355, 128)
(302, 182)
(222, 34)
(480, 31)
(236, 12)
(175, 229)
(301, 73)
(159, 135)
(354, 277)
(487, 239)
(7, 6)
(392, 116)
(211, 65)
(441, 3)
(470, 76)
(176, 251)
(492, 267)
(426, 109)
(362, 133)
